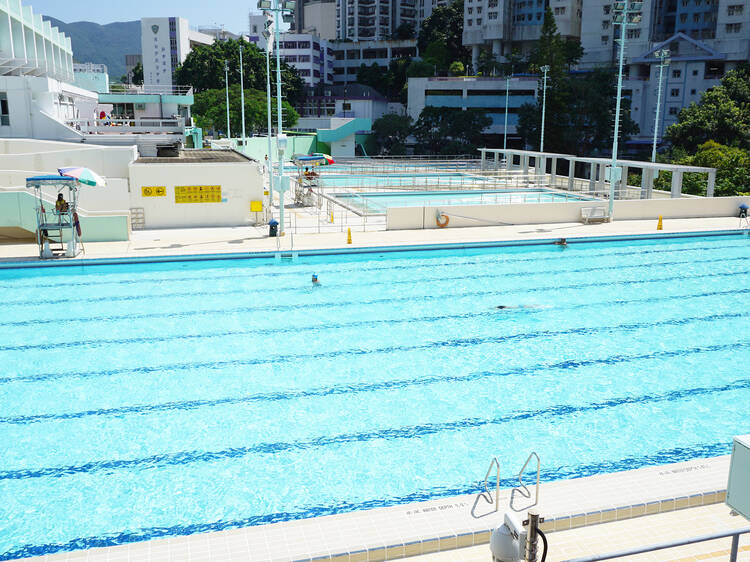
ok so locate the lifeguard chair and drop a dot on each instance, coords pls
(58, 231)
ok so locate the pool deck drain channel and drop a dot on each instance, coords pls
(439, 525)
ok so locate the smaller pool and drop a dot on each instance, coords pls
(379, 202)
(402, 180)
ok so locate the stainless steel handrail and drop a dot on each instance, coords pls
(525, 490)
(494, 462)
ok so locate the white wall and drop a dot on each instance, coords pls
(411, 218)
(240, 183)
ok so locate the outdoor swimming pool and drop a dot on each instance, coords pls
(405, 180)
(146, 400)
(380, 202)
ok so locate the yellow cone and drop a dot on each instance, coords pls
(659, 225)
(348, 235)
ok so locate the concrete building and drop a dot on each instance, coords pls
(505, 26)
(319, 18)
(473, 92)
(310, 55)
(165, 43)
(131, 61)
(345, 101)
(705, 40)
(90, 76)
(351, 55)
(256, 24)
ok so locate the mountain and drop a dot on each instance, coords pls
(102, 44)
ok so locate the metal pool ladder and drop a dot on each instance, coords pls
(522, 488)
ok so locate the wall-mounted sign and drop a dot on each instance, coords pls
(154, 191)
(256, 206)
(197, 194)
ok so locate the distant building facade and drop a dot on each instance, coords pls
(351, 55)
(310, 55)
(165, 44)
(91, 76)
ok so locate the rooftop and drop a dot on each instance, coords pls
(197, 157)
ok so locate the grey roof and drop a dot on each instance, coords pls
(197, 157)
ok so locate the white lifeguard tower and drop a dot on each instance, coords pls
(58, 232)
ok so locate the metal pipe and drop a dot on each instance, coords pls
(662, 54)
(242, 97)
(270, 127)
(226, 82)
(545, 69)
(661, 546)
(532, 535)
(617, 114)
(505, 130)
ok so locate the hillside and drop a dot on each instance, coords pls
(103, 44)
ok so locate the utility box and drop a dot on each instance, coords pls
(738, 487)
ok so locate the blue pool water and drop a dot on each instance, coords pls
(139, 401)
(405, 180)
(379, 202)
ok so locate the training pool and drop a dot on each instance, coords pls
(148, 400)
(380, 202)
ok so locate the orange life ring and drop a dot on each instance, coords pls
(442, 224)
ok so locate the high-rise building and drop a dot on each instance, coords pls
(165, 43)
(320, 19)
(506, 26)
(705, 39)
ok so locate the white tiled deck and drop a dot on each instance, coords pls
(440, 525)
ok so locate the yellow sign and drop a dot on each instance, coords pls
(256, 206)
(197, 194)
(154, 191)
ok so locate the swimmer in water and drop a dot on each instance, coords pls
(315, 281)
(561, 242)
(517, 306)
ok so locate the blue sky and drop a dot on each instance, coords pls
(231, 13)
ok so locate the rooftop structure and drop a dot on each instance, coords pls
(30, 46)
(91, 76)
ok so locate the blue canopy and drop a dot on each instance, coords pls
(37, 181)
(50, 178)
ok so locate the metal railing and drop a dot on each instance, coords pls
(671, 544)
(174, 90)
(138, 125)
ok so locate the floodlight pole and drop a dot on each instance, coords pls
(226, 82)
(269, 46)
(242, 96)
(664, 62)
(545, 69)
(505, 131)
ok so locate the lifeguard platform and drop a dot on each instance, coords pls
(58, 230)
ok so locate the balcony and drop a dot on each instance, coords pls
(175, 126)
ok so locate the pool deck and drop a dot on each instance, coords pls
(448, 528)
(197, 241)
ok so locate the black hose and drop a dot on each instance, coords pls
(544, 540)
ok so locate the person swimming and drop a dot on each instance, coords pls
(315, 281)
(517, 306)
(561, 242)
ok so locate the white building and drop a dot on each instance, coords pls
(351, 55)
(705, 40)
(256, 25)
(91, 76)
(505, 26)
(310, 55)
(487, 94)
(165, 43)
(36, 74)
(319, 18)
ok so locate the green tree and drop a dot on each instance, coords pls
(446, 25)
(552, 49)
(722, 115)
(442, 130)
(210, 110)
(420, 69)
(391, 131)
(732, 170)
(456, 68)
(437, 55)
(138, 74)
(203, 69)
(404, 31)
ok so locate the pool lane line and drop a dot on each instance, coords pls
(357, 388)
(553, 255)
(182, 458)
(339, 303)
(114, 538)
(353, 352)
(303, 289)
(360, 323)
(366, 250)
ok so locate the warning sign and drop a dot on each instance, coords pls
(153, 191)
(197, 194)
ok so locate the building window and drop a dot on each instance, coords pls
(633, 33)
(479, 9)
(4, 113)
(676, 73)
(303, 45)
(470, 10)
(605, 24)
(304, 58)
(492, 16)
(346, 106)
(734, 27)
(673, 110)
(692, 92)
(695, 73)
(674, 92)
(683, 18)
(605, 39)
(735, 9)
(607, 10)
(560, 11)
(468, 22)
(479, 21)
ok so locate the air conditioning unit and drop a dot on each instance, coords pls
(738, 487)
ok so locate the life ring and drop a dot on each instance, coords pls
(76, 223)
(444, 223)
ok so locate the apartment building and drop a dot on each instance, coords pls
(514, 25)
(706, 38)
(349, 56)
(312, 57)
